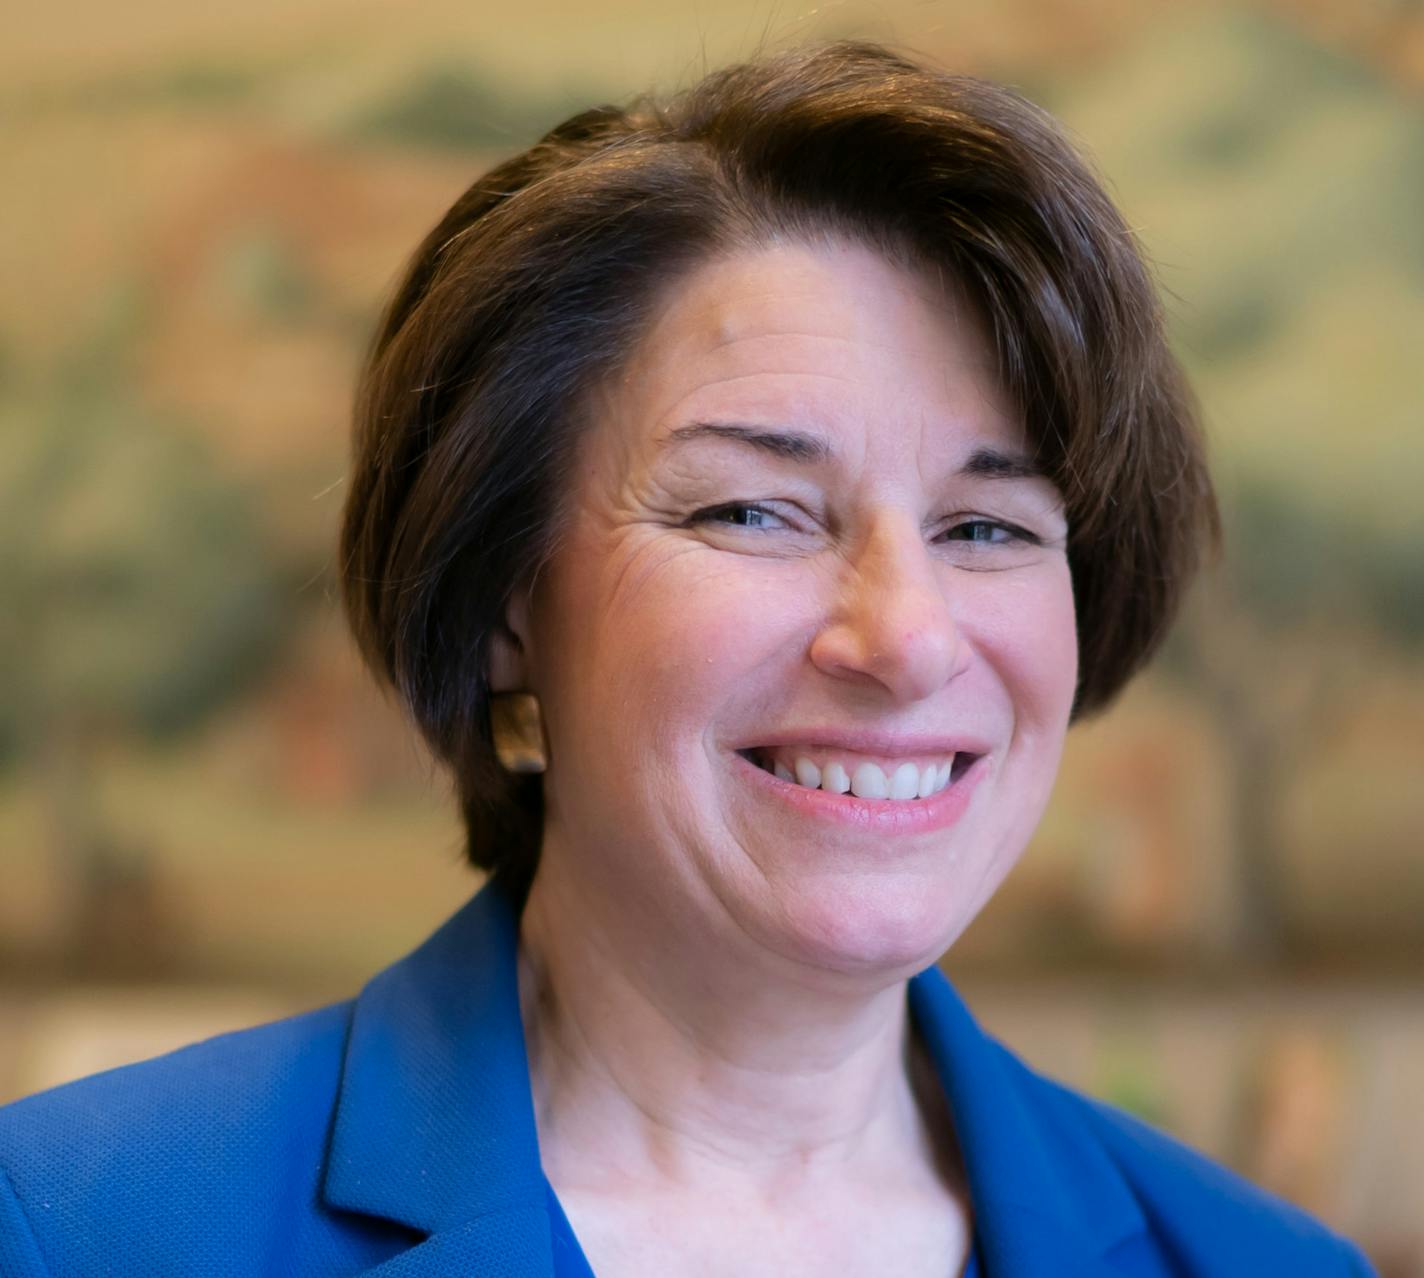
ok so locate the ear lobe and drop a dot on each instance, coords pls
(509, 648)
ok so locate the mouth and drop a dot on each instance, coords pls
(887, 780)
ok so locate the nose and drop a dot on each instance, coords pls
(893, 622)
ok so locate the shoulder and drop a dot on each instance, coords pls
(111, 1161)
(1195, 1209)
(236, 1086)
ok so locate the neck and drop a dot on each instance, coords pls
(716, 1074)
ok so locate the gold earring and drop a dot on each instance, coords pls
(517, 725)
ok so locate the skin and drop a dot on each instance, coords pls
(713, 982)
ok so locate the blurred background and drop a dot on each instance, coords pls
(208, 817)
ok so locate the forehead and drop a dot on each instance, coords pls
(828, 335)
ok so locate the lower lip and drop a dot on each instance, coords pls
(879, 816)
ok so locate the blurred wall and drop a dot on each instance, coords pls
(207, 816)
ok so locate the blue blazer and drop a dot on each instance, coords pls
(394, 1136)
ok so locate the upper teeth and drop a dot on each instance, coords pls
(867, 780)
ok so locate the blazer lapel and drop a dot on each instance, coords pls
(1048, 1203)
(435, 1130)
(513, 1244)
(434, 1124)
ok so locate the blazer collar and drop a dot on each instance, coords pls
(1047, 1199)
(434, 1122)
(435, 1128)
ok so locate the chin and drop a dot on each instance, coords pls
(865, 928)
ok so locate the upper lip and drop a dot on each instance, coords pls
(862, 741)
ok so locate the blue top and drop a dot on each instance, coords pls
(394, 1136)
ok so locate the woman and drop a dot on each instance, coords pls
(748, 493)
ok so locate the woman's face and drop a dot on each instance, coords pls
(806, 539)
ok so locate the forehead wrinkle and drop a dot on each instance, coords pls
(732, 378)
(799, 335)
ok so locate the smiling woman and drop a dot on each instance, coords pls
(848, 634)
(748, 492)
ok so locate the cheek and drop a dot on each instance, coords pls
(1036, 647)
(676, 631)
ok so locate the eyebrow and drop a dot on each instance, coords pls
(798, 446)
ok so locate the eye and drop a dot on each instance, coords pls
(737, 514)
(989, 532)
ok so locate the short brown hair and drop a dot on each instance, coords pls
(536, 283)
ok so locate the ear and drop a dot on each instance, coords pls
(509, 647)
